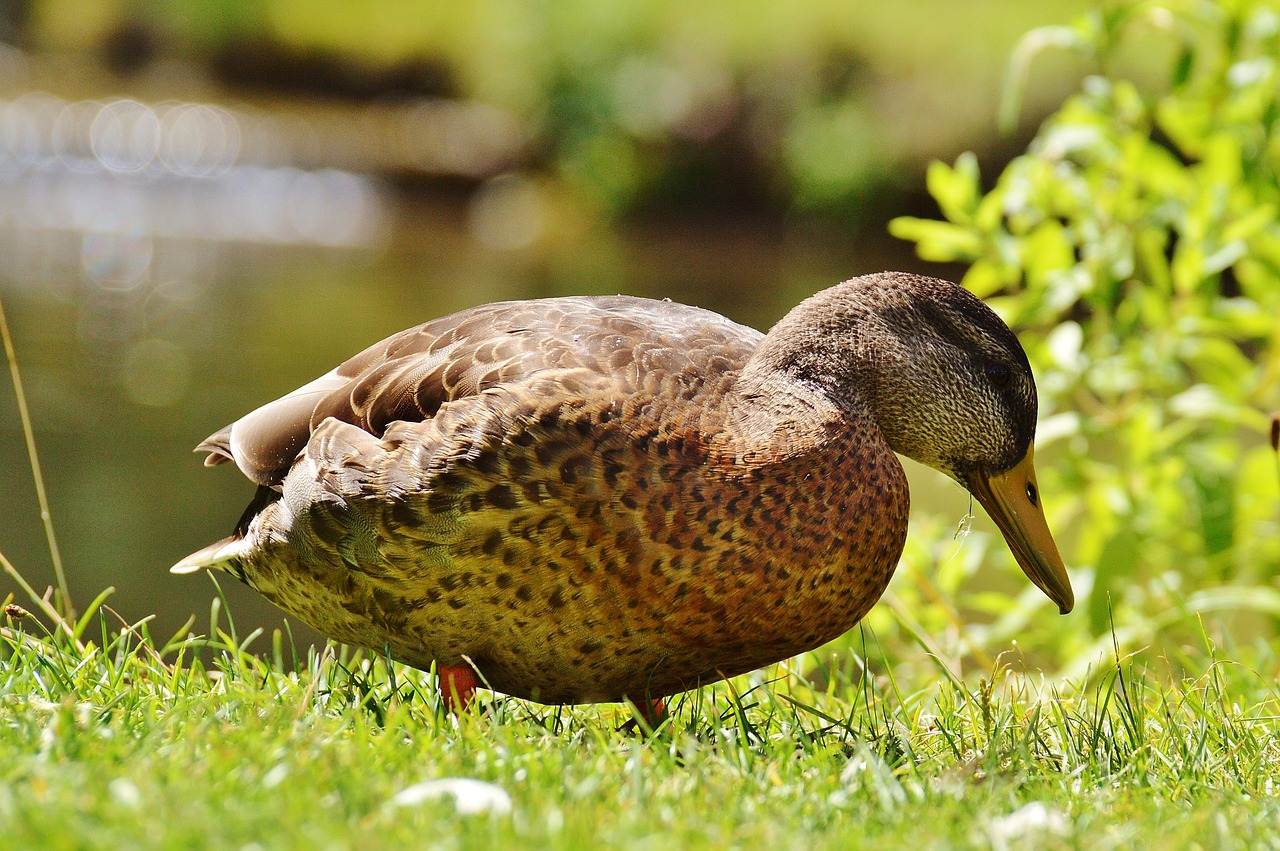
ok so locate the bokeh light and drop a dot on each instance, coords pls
(198, 140)
(116, 260)
(507, 213)
(125, 136)
(172, 170)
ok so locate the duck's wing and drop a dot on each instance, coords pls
(604, 346)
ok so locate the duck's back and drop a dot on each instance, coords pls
(584, 351)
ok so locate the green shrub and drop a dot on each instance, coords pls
(1136, 244)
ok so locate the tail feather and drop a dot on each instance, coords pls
(218, 445)
(216, 556)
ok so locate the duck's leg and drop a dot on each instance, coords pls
(458, 685)
(654, 712)
(649, 714)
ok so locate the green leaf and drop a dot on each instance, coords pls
(1218, 362)
(1182, 67)
(955, 189)
(1150, 246)
(1214, 495)
(1047, 249)
(940, 242)
(1250, 224)
(983, 280)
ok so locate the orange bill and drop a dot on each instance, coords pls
(1012, 498)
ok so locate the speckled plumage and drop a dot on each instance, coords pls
(588, 499)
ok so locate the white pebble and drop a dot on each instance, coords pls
(470, 796)
(1026, 823)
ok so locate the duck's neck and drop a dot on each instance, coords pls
(774, 417)
(824, 367)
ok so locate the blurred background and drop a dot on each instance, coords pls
(206, 204)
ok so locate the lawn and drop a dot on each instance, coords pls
(120, 741)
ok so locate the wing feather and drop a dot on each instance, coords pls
(626, 346)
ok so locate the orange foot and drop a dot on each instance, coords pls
(458, 685)
(650, 715)
(654, 712)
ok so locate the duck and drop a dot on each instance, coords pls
(608, 498)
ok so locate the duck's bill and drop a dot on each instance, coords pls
(1012, 498)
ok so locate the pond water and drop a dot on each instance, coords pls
(147, 313)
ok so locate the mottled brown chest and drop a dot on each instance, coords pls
(806, 545)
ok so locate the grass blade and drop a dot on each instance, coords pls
(67, 608)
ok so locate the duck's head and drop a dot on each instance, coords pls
(950, 386)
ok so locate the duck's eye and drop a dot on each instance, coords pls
(1033, 494)
(998, 374)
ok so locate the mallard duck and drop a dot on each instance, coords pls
(578, 500)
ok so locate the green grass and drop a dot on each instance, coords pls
(124, 741)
